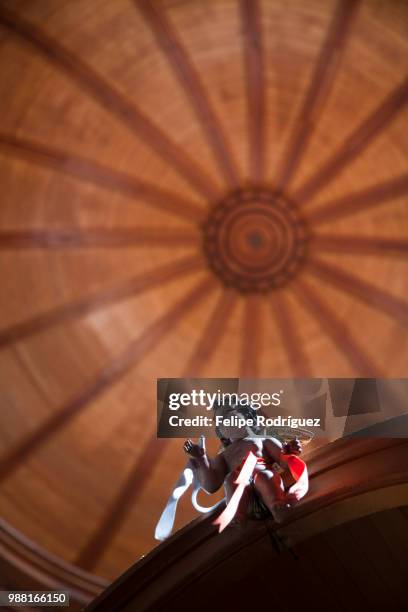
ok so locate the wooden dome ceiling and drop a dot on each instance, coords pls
(188, 188)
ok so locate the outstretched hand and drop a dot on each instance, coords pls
(194, 450)
(293, 447)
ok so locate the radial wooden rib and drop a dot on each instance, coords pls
(112, 373)
(355, 144)
(189, 79)
(100, 299)
(354, 203)
(97, 237)
(250, 356)
(122, 503)
(212, 333)
(365, 199)
(97, 174)
(255, 87)
(288, 329)
(375, 297)
(341, 334)
(319, 89)
(360, 244)
(112, 100)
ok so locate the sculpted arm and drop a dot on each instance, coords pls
(273, 448)
(211, 472)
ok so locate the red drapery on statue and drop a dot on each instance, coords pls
(297, 468)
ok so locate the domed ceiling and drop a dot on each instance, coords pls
(189, 188)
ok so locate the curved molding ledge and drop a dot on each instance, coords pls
(349, 478)
(35, 567)
(345, 511)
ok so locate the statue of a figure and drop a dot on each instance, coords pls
(250, 467)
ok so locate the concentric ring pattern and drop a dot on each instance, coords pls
(254, 241)
(189, 188)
